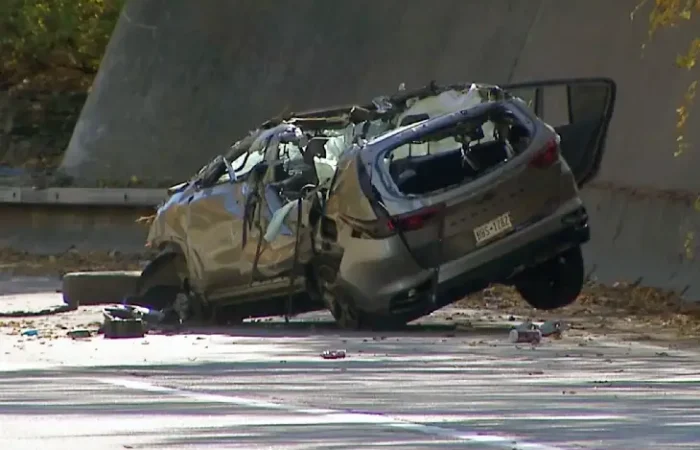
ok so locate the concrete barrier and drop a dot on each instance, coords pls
(52, 221)
(51, 230)
(180, 81)
(643, 237)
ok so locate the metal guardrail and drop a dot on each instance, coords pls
(130, 197)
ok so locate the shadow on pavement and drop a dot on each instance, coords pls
(276, 327)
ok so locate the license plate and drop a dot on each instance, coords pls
(498, 226)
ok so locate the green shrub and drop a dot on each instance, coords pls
(54, 38)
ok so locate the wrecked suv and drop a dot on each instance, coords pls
(385, 212)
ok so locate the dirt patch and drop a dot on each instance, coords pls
(35, 129)
(623, 310)
(21, 263)
(55, 326)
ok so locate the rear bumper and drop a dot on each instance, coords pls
(508, 265)
(411, 296)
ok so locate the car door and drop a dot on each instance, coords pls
(214, 232)
(580, 110)
(284, 242)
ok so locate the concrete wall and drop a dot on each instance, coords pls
(181, 81)
(55, 229)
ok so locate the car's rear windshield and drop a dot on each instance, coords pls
(458, 153)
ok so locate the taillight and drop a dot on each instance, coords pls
(412, 221)
(547, 156)
(388, 226)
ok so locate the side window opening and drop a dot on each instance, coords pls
(587, 101)
(580, 111)
(555, 105)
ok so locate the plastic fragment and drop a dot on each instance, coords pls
(552, 328)
(532, 333)
(334, 354)
(525, 336)
(79, 334)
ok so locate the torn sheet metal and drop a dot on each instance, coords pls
(443, 103)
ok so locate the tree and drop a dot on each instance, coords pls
(670, 13)
(41, 37)
(667, 14)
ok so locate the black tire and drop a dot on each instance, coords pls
(554, 284)
(160, 281)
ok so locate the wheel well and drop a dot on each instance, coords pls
(168, 268)
(170, 247)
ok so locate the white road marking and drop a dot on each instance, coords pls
(338, 416)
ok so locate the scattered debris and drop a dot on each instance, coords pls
(533, 333)
(125, 311)
(123, 322)
(116, 328)
(529, 336)
(552, 328)
(334, 354)
(79, 334)
(525, 326)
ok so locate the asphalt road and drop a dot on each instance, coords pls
(265, 387)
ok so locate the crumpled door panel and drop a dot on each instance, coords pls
(214, 225)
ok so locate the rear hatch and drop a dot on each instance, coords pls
(467, 217)
(448, 220)
(499, 179)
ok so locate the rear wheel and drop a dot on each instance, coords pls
(555, 283)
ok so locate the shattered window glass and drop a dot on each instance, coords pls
(527, 95)
(242, 166)
(290, 152)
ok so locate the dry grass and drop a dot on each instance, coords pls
(619, 308)
(641, 311)
(22, 263)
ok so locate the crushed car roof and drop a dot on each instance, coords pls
(382, 108)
